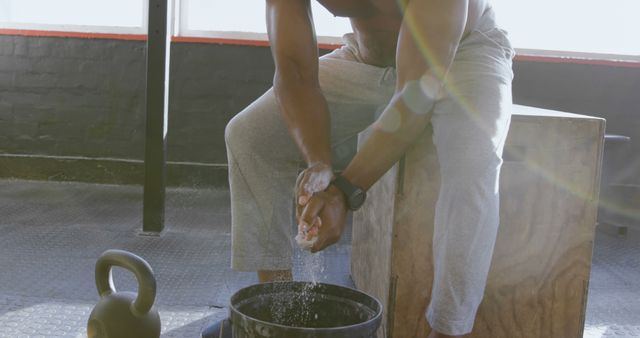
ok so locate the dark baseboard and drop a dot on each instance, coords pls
(108, 170)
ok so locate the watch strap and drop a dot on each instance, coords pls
(348, 189)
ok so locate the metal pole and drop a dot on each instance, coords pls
(157, 110)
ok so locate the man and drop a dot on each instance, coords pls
(406, 65)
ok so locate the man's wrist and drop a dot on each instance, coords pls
(354, 195)
(320, 165)
(318, 158)
(317, 177)
(356, 180)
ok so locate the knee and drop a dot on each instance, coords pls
(244, 137)
(232, 130)
(239, 135)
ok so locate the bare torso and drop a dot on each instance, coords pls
(376, 24)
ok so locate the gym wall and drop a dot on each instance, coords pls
(73, 108)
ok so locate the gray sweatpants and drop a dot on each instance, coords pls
(470, 126)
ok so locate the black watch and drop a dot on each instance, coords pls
(354, 195)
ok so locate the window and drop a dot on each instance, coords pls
(588, 26)
(110, 16)
(583, 26)
(246, 18)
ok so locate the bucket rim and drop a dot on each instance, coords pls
(377, 317)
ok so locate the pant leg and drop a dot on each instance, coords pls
(263, 160)
(470, 128)
(262, 166)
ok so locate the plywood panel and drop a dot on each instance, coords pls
(539, 276)
(412, 270)
(371, 242)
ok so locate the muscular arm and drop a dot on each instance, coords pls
(429, 37)
(296, 85)
(437, 25)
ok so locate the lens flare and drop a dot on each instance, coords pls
(451, 92)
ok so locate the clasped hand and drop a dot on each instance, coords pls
(320, 208)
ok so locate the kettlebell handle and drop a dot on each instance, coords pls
(140, 268)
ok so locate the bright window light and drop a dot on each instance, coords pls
(591, 26)
(66, 14)
(248, 16)
(588, 26)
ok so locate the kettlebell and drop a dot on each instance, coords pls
(124, 314)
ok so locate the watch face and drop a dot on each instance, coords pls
(356, 200)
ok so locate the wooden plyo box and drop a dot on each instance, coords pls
(537, 285)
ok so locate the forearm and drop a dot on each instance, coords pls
(427, 44)
(386, 144)
(306, 114)
(296, 83)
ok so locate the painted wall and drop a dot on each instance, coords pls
(71, 97)
(73, 108)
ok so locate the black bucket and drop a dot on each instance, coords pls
(303, 310)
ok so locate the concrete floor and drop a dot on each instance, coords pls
(52, 234)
